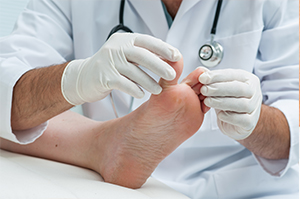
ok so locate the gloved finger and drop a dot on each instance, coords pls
(158, 47)
(224, 75)
(232, 88)
(137, 75)
(240, 105)
(244, 121)
(178, 67)
(127, 86)
(150, 61)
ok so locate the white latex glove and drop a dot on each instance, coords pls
(115, 66)
(236, 96)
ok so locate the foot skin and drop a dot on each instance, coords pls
(134, 145)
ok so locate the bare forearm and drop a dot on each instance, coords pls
(67, 139)
(271, 137)
(37, 97)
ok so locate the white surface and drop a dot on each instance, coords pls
(29, 177)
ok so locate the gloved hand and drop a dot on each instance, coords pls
(115, 66)
(236, 96)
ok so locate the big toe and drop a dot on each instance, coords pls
(193, 78)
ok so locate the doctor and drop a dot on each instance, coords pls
(247, 144)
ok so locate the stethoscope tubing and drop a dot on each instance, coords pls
(216, 18)
(115, 29)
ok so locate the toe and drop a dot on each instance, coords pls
(193, 78)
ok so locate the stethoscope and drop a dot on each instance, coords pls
(210, 54)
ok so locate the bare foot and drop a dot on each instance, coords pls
(134, 145)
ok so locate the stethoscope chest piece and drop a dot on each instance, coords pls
(211, 54)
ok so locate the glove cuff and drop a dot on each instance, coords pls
(69, 83)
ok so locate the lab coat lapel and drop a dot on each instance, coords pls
(152, 13)
(185, 6)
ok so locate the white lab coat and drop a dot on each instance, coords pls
(257, 36)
